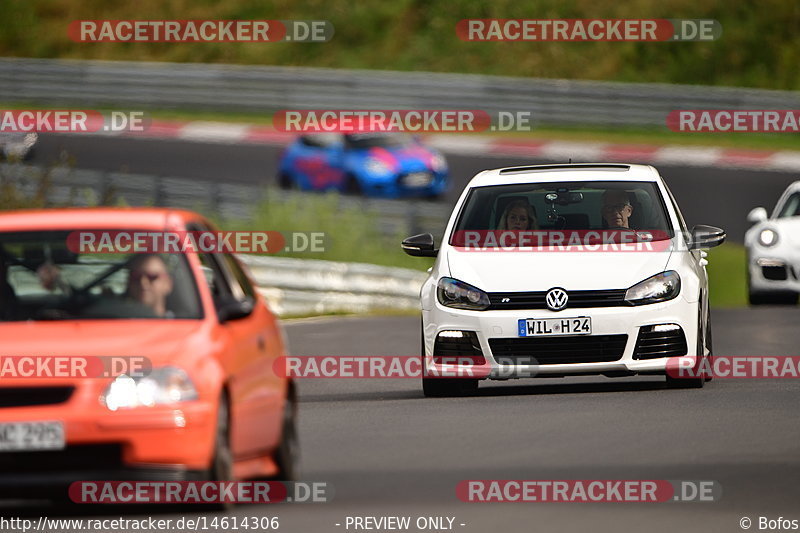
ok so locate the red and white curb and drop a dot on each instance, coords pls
(485, 145)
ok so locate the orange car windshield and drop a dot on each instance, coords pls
(42, 279)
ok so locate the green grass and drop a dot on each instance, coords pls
(758, 46)
(727, 276)
(351, 232)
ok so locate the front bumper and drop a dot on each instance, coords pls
(608, 321)
(396, 187)
(775, 269)
(160, 443)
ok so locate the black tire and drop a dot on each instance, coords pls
(286, 182)
(287, 456)
(352, 187)
(709, 346)
(221, 468)
(445, 387)
(773, 298)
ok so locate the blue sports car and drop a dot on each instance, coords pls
(390, 165)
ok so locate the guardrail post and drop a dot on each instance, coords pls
(216, 202)
(412, 219)
(159, 196)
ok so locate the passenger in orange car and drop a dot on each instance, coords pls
(150, 283)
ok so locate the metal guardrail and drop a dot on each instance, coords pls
(310, 287)
(81, 187)
(268, 89)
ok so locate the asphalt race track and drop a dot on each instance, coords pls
(716, 196)
(388, 451)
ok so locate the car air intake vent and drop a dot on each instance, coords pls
(457, 347)
(664, 340)
(29, 396)
(558, 350)
(577, 299)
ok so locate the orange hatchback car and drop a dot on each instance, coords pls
(210, 405)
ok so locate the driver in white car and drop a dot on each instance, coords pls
(617, 208)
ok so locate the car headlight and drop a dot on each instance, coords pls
(376, 166)
(438, 163)
(658, 288)
(162, 386)
(460, 295)
(768, 237)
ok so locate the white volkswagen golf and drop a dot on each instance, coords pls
(559, 270)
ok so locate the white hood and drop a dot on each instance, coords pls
(521, 271)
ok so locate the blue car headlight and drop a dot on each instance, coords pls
(439, 164)
(659, 288)
(460, 295)
(376, 166)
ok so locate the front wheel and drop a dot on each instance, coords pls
(288, 452)
(222, 465)
(352, 187)
(444, 387)
(286, 182)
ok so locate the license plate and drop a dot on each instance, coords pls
(550, 327)
(15, 436)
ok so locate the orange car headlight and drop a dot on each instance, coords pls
(163, 385)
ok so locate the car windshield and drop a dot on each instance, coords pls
(380, 140)
(791, 208)
(633, 207)
(42, 279)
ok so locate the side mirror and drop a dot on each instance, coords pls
(706, 237)
(420, 246)
(231, 309)
(756, 215)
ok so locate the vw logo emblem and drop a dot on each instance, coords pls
(556, 299)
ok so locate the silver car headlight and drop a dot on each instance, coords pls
(768, 237)
(659, 288)
(460, 295)
(163, 385)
